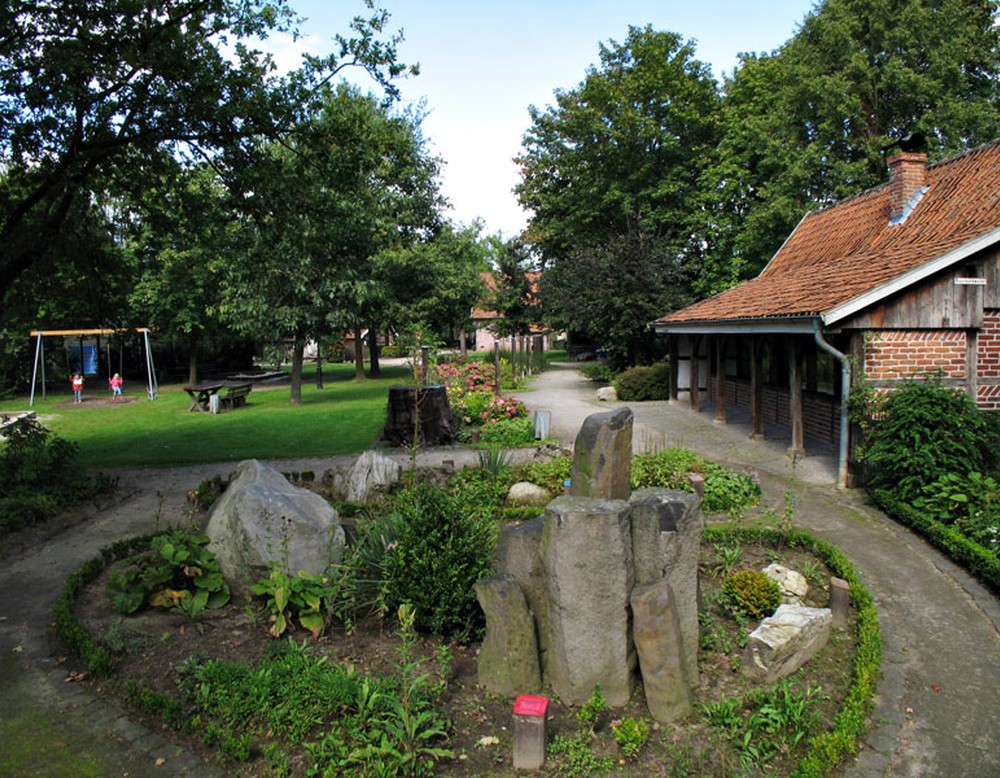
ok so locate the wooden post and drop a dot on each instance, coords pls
(673, 361)
(496, 367)
(798, 448)
(695, 380)
(720, 379)
(756, 390)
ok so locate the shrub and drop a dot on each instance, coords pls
(752, 593)
(926, 431)
(669, 468)
(598, 371)
(727, 491)
(644, 383)
(443, 548)
(509, 433)
(551, 475)
(502, 409)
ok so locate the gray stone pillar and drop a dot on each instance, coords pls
(587, 560)
(519, 555)
(508, 659)
(602, 456)
(658, 643)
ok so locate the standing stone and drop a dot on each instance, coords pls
(587, 561)
(785, 641)
(666, 542)
(519, 555)
(602, 456)
(508, 659)
(262, 520)
(371, 473)
(660, 647)
(840, 601)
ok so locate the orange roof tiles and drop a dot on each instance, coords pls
(848, 249)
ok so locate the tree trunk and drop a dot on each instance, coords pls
(295, 379)
(192, 359)
(319, 365)
(359, 355)
(374, 369)
(464, 347)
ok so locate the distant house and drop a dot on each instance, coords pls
(901, 280)
(484, 321)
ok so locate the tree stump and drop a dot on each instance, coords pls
(436, 421)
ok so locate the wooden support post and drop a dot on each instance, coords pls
(672, 356)
(720, 379)
(756, 389)
(695, 379)
(798, 448)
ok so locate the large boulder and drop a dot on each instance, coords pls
(508, 659)
(261, 521)
(785, 641)
(602, 456)
(587, 563)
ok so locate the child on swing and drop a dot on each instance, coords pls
(115, 382)
(76, 381)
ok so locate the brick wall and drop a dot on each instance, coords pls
(900, 354)
(988, 362)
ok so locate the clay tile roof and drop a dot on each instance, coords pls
(848, 249)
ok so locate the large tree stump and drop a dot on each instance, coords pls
(430, 405)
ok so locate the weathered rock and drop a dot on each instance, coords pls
(518, 554)
(794, 586)
(587, 562)
(508, 659)
(602, 456)
(840, 601)
(666, 543)
(785, 641)
(371, 473)
(607, 394)
(659, 644)
(528, 494)
(262, 520)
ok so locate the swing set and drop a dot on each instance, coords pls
(151, 384)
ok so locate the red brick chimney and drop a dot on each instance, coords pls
(907, 181)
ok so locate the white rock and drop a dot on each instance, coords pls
(794, 586)
(785, 641)
(527, 493)
(607, 394)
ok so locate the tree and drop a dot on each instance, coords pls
(92, 93)
(615, 165)
(809, 124)
(180, 240)
(319, 206)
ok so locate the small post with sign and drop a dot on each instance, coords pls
(529, 732)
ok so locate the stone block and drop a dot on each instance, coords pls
(840, 601)
(602, 456)
(586, 557)
(518, 555)
(660, 647)
(785, 641)
(508, 658)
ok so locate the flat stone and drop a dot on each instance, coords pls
(785, 641)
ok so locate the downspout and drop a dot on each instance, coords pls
(845, 393)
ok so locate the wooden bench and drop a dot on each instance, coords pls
(236, 395)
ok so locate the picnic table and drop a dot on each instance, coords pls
(201, 394)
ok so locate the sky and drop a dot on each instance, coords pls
(483, 63)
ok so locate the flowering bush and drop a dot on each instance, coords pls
(463, 379)
(503, 408)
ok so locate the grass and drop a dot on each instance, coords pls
(343, 418)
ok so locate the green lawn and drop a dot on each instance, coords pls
(343, 418)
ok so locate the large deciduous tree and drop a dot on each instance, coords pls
(91, 93)
(348, 183)
(612, 169)
(810, 123)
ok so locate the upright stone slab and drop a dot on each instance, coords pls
(372, 473)
(518, 555)
(587, 562)
(261, 520)
(666, 542)
(659, 644)
(508, 658)
(602, 456)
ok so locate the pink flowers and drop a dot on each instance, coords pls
(504, 408)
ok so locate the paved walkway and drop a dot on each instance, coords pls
(936, 709)
(941, 674)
